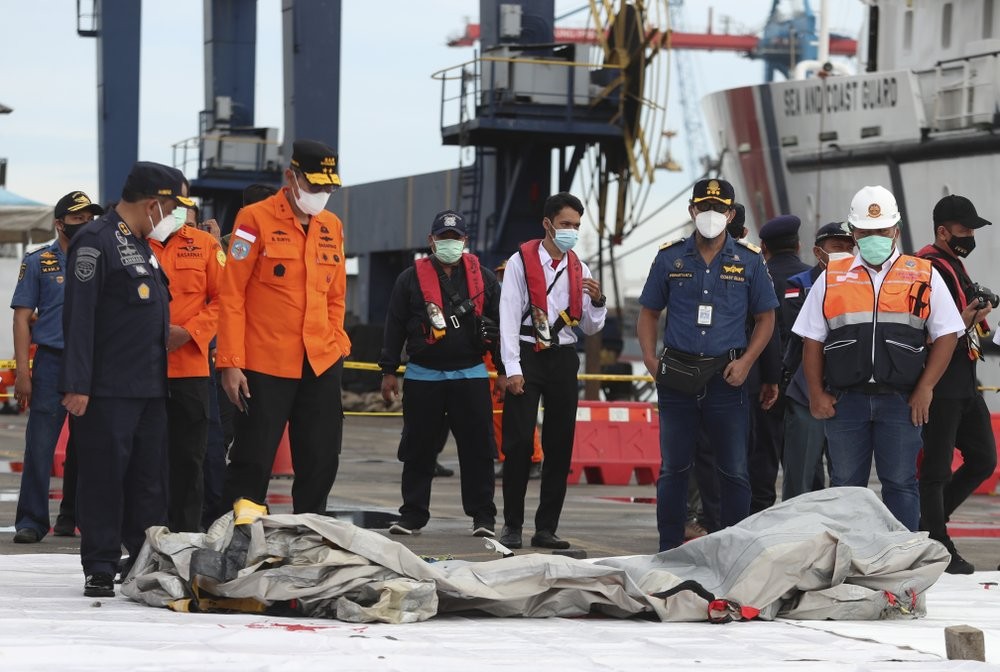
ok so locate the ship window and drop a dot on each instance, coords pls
(828, 136)
(908, 29)
(871, 131)
(946, 26)
(987, 19)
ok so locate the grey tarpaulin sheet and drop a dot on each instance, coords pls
(832, 554)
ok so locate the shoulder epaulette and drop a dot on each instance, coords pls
(671, 243)
(750, 246)
(35, 250)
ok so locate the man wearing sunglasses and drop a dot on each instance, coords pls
(709, 284)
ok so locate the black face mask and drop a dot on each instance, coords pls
(962, 245)
(71, 229)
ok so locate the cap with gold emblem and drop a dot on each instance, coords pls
(76, 201)
(316, 161)
(873, 208)
(713, 189)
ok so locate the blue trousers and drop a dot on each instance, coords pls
(45, 421)
(722, 412)
(879, 426)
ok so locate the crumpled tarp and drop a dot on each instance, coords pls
(832, 554)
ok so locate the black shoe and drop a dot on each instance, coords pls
(99, 584)
(64, 527)
(546, 539)
(510, 537)
(959, 565)
(483, 528)
(27, 535)
(441, 470)
(535, 470)
(403, 527)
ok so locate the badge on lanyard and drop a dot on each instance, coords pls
(704, 315)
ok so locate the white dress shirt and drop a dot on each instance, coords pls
(514, 302)
(944, 318)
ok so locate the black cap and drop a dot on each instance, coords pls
(958, 209)
(316, 161)
(76, 201)
(713, 189)
(448, 220)
(834, 230)
(784, 227)
(155, 179)
(740, 218)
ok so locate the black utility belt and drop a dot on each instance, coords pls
(689, 374)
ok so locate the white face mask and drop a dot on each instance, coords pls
(310, 203)
(837, 256)
(163, 228)
(710, 223)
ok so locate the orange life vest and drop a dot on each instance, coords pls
(881, 339)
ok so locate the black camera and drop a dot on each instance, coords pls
(983, 295)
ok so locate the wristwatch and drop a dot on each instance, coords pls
(599, 303)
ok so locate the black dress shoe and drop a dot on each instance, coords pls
(546, 539)
(27, 535)
(510, 537)
(959, 565)
(64, 527)
(99, 584)
(441, 470)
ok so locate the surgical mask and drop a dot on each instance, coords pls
(308, 202)
(163, 228)
(448, 251)
(962, 245)
(876, 249)
(565, 239)
(710, 223)
(837, 256)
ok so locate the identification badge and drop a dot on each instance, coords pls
(704, 315)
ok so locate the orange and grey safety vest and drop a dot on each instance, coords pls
(430, 287)
(876, 339)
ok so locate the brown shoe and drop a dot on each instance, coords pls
(693, 529)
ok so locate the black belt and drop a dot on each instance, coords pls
(554, 346)
(50, 349)
(873, 388)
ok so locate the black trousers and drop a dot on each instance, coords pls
(767, 437)
(187, 422)
(122, 482)
(549, 374)
(953, 423)
(312, 408)
(67, 506)
(430, 409)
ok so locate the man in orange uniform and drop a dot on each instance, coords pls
(281, 333)
(193, 262)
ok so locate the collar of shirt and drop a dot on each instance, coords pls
(546, 258)
(691, 247)
(55, 247)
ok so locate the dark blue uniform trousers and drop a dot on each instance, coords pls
(122, 483)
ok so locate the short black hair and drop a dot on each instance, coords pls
(257, 192)
(555, 203)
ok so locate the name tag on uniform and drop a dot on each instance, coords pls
(704, 315)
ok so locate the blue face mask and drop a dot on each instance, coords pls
(565, 239)
(875, 249)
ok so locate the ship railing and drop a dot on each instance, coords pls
(966, 92)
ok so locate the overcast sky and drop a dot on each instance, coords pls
(389, 108)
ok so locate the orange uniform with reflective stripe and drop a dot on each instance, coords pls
(193, 262)
(284, 292)
(876, 339)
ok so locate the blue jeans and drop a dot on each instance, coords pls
(45, 420)
(879, 425)
(723, 412)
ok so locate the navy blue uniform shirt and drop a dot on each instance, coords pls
(117, 314)
(41, 285)
(735, 284)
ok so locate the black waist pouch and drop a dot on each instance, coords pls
(687, 374)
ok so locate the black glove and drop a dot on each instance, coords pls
(489, 333)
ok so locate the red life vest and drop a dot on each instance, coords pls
(944, 266)
(430, 287)
(534, 277)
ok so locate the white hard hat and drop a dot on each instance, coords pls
(873, 208)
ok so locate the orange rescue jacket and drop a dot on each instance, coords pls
(193, 262)
(879, 338)
(284, 292)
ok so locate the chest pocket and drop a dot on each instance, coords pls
(325, 271)
(140, 288)
(275, 264)
(189, 276)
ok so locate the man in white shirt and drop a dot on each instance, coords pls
(546, 291)
(871, 376)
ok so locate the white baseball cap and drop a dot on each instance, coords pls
(873, 208)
